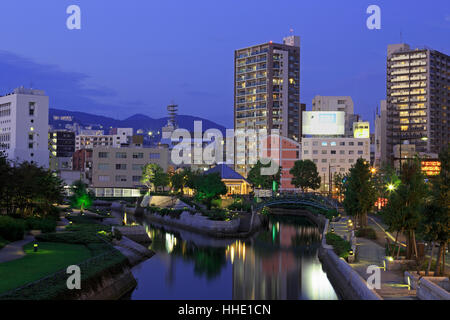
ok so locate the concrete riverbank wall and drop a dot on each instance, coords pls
(201, 224)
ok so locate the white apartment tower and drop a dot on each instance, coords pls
(24, 126)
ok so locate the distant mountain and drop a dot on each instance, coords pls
(137, 121)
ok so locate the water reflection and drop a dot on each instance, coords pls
(278, 263)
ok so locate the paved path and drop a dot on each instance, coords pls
(14, 250)
(368, 253)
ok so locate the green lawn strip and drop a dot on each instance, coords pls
(51, 257)
(110, 263)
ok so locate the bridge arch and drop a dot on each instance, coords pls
(311, 200)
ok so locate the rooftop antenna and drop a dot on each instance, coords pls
(172, 109)
(291, 31)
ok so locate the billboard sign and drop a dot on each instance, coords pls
(323, 123)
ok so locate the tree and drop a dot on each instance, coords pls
(339, 182)
(153, 176)
(209, 187)
(406, 204)
(177, 182)
(359, 192)
(263, 181)
(386, 176)
(436, 217)
(81, 197)
(305, 175)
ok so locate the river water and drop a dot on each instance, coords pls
(279, 262)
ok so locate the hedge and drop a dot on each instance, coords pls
(340, 246)
(12, 229)
(45, 225)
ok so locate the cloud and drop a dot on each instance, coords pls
(66, 89)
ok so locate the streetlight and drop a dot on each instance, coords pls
(391, 187)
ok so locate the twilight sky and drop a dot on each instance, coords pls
(136, 56)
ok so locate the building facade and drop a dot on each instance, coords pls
(61, 144)
(89, 139)
(121, 168)
(418, 99)
(267, 92)
(381, 136)
(337, 103)
(285, 152)
(334, 155)
(24, 126)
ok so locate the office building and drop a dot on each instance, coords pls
(334, 155)
(24, 126)
(418, 99)
(339, 104)
(119, 170)
(267, 92)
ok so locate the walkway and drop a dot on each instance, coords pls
(368, 253)
(14, 250)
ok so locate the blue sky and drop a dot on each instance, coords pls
(136, 56)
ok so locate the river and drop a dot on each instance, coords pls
(279, 262)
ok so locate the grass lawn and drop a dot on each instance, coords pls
(51, 257)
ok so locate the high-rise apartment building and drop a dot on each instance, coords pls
(418, 99)
(24, 126)
(380, 136)
(267, 92)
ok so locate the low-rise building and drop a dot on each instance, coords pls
(334, 155)
(118, 171)
(285, 152)
(89, 139)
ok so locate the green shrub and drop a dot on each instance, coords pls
(220, 215)
(216, 203)
(81, 237)
(45, 225)
(340, 246)
(173, 213)
(330, 214)
(3, 242)
(240, 206)
(11, 229)
(367, 233)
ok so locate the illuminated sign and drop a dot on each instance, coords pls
(323, 122)
(431, 168)
(361, 130)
